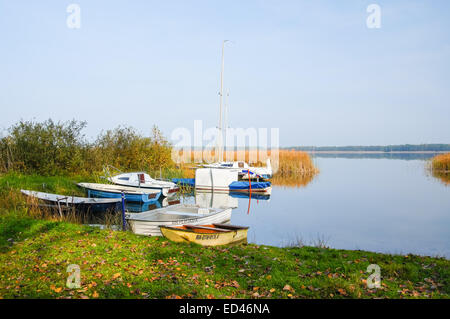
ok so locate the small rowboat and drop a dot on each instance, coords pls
(206, 235)
(148, 223)
(132, 194)
(79, 203)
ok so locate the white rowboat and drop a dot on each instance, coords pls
(148, 223)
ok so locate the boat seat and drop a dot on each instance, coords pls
(207, 228)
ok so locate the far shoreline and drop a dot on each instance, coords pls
(377, 152)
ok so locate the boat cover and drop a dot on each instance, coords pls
(245, 185)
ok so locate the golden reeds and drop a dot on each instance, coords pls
(441, 163)
(291, 167)
(440, 167)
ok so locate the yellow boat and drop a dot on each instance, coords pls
(206, 235)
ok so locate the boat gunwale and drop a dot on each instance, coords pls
(151, 213)
(128, 190)
(76, 200)
(192, 229)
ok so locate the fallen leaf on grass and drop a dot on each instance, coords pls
(116, 275)
(288, 288)
(342, 292)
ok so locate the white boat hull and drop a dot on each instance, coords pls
(151, 228)
(144, 181)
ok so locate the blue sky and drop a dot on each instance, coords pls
(311, 68)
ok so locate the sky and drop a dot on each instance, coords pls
(313, 69)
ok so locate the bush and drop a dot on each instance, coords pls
(50, 148)
(46, 148)
(125, 149)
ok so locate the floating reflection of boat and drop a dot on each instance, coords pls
(81, 204)
(167, 202)
(148, 223)
(252, 196)
(132, 194)
(215, 200)
(206, 235)
(143, 207)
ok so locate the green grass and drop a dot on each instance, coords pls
(35, 253)
(34, 256)
(50, 184)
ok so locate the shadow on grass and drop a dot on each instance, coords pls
(18, 228)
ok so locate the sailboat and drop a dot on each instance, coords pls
(244, 170)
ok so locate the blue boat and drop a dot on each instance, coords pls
(132, 194)
(257, 196)
(235, 187)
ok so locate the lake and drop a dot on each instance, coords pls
(388, 205)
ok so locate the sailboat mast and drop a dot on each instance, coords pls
(225, 118)
(220, 137)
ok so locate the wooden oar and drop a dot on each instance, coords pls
(207, 228)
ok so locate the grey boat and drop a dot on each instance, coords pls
(79, 203)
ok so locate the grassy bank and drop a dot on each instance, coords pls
(35, 251)
(34, 255)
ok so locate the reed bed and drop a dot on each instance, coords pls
(291, 168)
(294, 163)
(441, 163)
(440, 167)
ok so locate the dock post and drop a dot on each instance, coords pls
(250, 192)
(123, 212)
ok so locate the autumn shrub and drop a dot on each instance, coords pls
(48, 148)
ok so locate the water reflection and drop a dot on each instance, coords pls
(387, 155)
(383, 205)
(442, 176)
(142, 207)
(215, 200)
(292, 181)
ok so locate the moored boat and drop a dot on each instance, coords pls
(244, 170)
(143, 180)
(251, 187)
(132, 194)
(206, 235)
(217, 180)
(148, 223)
(82, 204)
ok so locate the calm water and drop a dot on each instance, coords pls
(382, 205)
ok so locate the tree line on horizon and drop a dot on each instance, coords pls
(386, 148)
